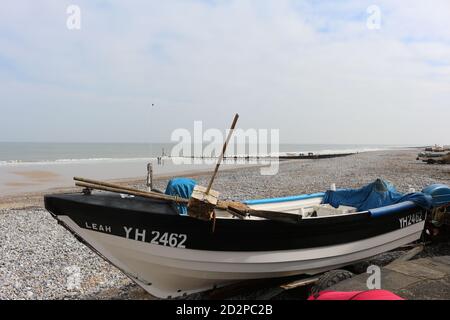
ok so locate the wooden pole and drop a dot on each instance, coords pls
(150, 195)
(149, 177)
(111, 185)
(241, 209)
(233, 125)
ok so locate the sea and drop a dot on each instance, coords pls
(31, 166)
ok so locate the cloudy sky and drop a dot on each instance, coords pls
(312, 69)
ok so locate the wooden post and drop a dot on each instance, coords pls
(149, 176)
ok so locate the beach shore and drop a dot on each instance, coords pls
(41, 260)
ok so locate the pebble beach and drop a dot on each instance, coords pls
(41, 260)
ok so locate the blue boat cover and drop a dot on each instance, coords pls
(181, 187)
(440, 194)
(375, 195)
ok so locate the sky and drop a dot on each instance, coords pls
(137, 70)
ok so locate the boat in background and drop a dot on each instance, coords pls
(434, 157)
(436, 154)
(171, 254)
(436, 148)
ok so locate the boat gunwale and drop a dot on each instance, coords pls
(371, 213)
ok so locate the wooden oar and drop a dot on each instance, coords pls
(144, 194)
(224, 149)
(111, 185)
(244, 211)
(277, 216)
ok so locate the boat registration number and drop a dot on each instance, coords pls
(410, 220)
(174, 240)
(168, 239)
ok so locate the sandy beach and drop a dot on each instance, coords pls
(41, 260)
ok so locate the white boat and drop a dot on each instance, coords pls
(172, 255)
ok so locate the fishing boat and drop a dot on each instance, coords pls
(170, 253)
(434, 157)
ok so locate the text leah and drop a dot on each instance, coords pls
(98, 227)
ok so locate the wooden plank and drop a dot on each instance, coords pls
(410, 254)
(299, 283)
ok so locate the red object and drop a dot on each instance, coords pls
(356, 295)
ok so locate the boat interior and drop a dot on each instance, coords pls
(307, 206)
(374, 196)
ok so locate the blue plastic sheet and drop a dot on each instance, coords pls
(181, 187)
(375, 195)
(440, 194)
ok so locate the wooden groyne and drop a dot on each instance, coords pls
(315, 156)
(299, 156)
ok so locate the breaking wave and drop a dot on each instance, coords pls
(13, 163)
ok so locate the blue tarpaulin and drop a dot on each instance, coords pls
(181, 187)
(375, 195)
